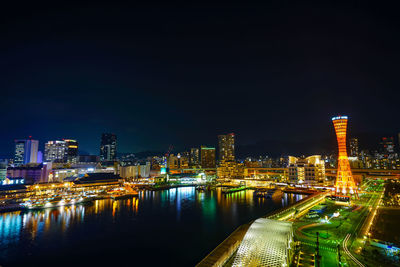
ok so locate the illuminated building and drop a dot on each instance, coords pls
(387, 146)
(108, 147)
(207, 156)
(30, 173)
(3, 169)
(310, 170)
(54, 151)
(26, 151)
(194, 159)
(226, 147)
(58, 175)
(353, 143)
(266, 243)
(178, 162)
(61, 151)
(344, 180)
(19, 152)
(72, 150)
(135, 171)
(230, 169)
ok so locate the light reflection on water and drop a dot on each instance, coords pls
(179, 210)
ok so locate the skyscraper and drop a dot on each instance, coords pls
(108, 147)
(71, 155)
(353, 143)
(207, 155)
(226, 146)
(194, 158)
(25, 151)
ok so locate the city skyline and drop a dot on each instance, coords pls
(144, 75)
(199, 134)
(324, 146)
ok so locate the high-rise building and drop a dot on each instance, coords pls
(54, 151)
(344, 179)
(61, 151)
(194, 158)
(19, 153)
(387, 146)
(26, 151)
(108, 147)
(226, 146)
(207, 155)
(72, 150)
(353, 143)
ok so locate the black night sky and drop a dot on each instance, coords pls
(158, 74)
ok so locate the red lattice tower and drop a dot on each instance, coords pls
(344, 180)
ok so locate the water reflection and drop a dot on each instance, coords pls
(204, 210)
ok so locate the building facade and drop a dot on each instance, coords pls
(54, 151)
(61, 151)
(26, 151)
(108, 147)
(207, 157)
(194, 159)
(310, 170)
(226, 147)
(230, 169)
(387, 146)
(135, 171)
(72, 150)
(178, 161)
(31, 174)
(353, 143)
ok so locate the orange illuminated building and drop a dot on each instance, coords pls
(344, 180)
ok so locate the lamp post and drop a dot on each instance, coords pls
(317, 256)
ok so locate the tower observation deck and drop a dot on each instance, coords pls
(344, 181)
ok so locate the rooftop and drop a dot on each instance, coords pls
(265, 244)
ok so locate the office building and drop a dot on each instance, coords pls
(54, 151)
(310, 170)
(194, 159)
(353, 143)
(387, 146)
(26, 151)
(108, 147)
(207, 156)
(61, 151)
(71, 155)
(226, 147)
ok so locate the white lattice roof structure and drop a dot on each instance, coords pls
(266, 243)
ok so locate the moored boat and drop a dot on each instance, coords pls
(52, 202)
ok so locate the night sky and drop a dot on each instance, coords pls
(160, 74)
